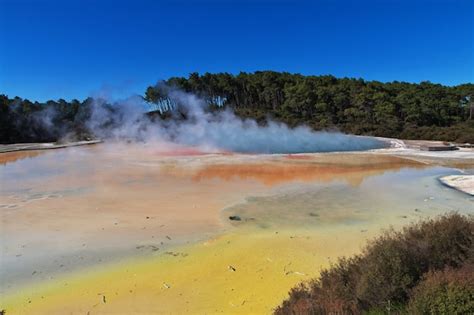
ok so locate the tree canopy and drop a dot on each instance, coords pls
(394, 109)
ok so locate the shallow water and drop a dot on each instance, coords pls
(86, 216)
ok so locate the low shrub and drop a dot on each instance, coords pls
(449, 291)
(385, 273)
(332, 291)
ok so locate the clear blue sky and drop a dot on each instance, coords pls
(75, 48)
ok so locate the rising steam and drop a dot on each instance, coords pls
(213, 131)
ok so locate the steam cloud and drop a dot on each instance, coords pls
(215, 131)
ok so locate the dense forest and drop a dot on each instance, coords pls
(396, 109)
(24, 121)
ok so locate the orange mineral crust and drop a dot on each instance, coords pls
(158, 228)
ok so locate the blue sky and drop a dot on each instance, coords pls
(77, 48)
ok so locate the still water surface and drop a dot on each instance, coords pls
(66, 212)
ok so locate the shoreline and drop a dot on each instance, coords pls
(15, 147)
(153, 278)
(462, 183)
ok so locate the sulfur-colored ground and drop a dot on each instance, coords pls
(132, 229)
(248, 272)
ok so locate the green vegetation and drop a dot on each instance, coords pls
(397, 109)
(25, 121)
(449, 291)
(427, 268)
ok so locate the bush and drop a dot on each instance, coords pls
(450, 291)
(388, 269)
(332, 291)
(395, 262)
(460, 133)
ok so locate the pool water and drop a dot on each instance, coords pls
(130, 228)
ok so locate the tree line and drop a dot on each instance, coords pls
(24, 121)
(395, 109)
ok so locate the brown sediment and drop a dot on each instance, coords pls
(298, 157)
(133, 198)
(92, 194)
(463, 162)
(352, 169)
(180, 152)
(10, 157)
(105, 198)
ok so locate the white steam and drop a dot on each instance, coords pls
(217, 131)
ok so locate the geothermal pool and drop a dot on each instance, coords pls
(133, 228)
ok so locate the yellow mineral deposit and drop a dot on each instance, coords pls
(129, 228)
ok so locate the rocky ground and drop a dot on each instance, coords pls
(464, 183)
